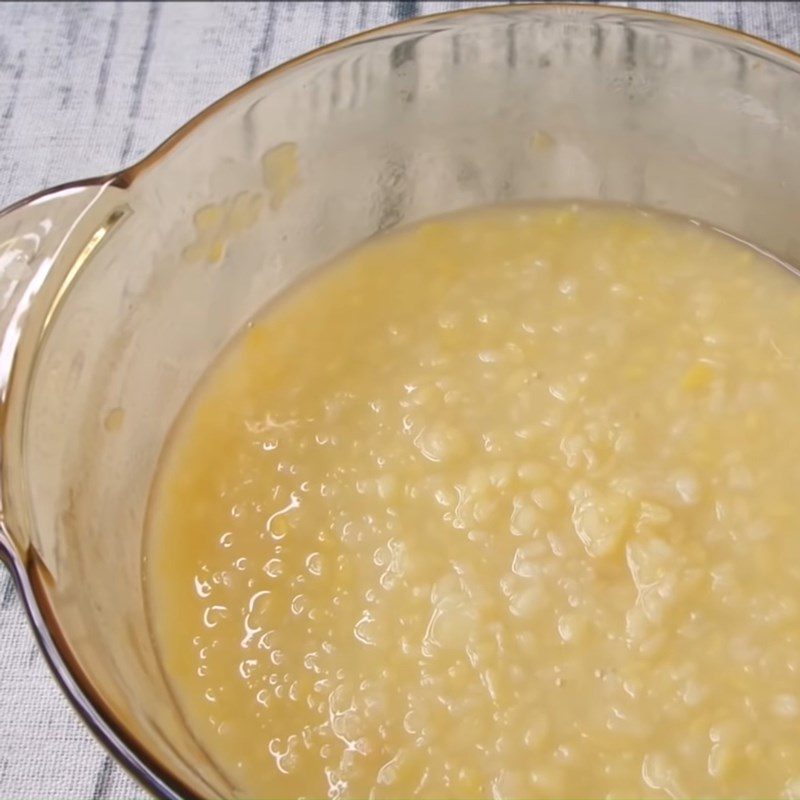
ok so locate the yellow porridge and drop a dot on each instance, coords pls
(502, 505)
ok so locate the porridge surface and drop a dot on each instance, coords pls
(501, 505)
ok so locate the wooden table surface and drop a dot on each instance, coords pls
(87, 88)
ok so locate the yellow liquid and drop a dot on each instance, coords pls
(502, 505)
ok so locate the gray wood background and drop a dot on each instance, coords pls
(87, 88)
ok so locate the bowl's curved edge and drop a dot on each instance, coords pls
(128, 174)
(76, 687)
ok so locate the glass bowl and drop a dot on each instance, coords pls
(117, 292)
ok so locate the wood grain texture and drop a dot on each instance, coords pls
(86, 88)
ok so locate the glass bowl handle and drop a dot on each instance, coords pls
(34, 234)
